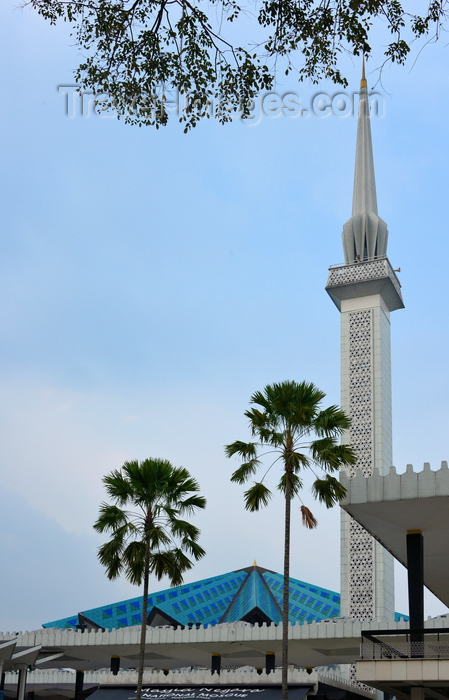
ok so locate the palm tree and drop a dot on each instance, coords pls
(151, 537)
(292, 429)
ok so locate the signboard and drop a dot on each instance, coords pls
(200, 693)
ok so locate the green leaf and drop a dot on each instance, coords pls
(136, 52)
(257, 496)
(295, 482)
(331, 456)
(111, 518)
(245, 471)
(331, 422)
(328, 490)
(243, 449)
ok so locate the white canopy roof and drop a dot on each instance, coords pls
(390, 506)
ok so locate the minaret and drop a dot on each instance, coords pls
(365, 290)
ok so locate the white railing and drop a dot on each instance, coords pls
(239, 676)
(365, 270)
(404, 650)
(357, 262)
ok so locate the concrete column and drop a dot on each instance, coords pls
(216, 663)
(115, 665)
(270, 660)
(416, 693)
(415, 569)
(79, 682)
(21, 684)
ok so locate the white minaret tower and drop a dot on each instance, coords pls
(365, 290)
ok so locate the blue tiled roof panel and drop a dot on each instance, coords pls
(227, 597)
(253, 594)
(188, 601)
(307, 601)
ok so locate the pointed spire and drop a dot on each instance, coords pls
(363, 83)
(364, 199)
(365, 234)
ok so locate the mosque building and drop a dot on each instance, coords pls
(206, 639)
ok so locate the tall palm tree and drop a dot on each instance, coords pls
(151, 537)
(292, 429)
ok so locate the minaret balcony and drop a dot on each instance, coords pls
(365, 278)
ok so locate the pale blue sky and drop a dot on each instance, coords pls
(151, 281)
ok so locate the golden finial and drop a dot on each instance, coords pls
(363, 83)
(254, 563)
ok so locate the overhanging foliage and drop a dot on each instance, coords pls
(138, 50)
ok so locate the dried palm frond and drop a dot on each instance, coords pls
(308, 519)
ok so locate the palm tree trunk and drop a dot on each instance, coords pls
(143, 629)
(286, 597)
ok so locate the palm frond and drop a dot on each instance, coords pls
(182, 476)
(134, 562)
(181, 564)
(257, 420)
(163, 564)
(328, 490)
(324, 454)
(308, 519)
(111, 518)
(243, 449)
(296, 484)
(269, 436)
(110, 556)
(190, 505)
(244, 472)
(114, 567)
(193, 548)
(157, 536)
(331, 421)
(184, 529)
(172, 563)
(257, 496)
(295, 403)
(118, 487)
(260, 399)
(295, 460)
(347, 454)
(164, 510)
(331, 456)
(181, 483)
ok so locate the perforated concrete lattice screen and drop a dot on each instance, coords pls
(361, 545)
(360, 389)
(363, 272)
(359, 272)
(361, 558)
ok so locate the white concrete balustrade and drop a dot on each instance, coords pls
(227, 677)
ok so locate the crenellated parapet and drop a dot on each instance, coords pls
(246, 677)
(393, 506)
(393, 486)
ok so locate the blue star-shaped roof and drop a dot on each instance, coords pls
(252, 594)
